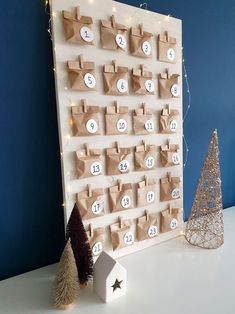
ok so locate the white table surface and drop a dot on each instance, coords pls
(173, 277)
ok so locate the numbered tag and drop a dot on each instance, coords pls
(150, 197)
(121, 125)
(175, 158)
(171, 54)
(123, 166)
(97, 207)
(97, 248)
(174, 224)
(96, 168)
(146, 48)
(175, 193)
(121, 41)
(91, 126)
(86, 34)
(175, 90)
(89, 80)
(149, 126)
(173, 125)
(152, 231)
(126, 201)
(122, 86)
(149, 85)
(150, 162)
(128, 238)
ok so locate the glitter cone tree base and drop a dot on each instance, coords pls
(205, 227)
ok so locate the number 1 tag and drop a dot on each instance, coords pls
(86, 34)
(149, 85)
(121, 41)
(89, 80)
(128, 238)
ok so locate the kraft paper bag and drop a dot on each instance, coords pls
(143, 122)
(168, 85)
(140, 42)
(95, 238)
(166, 48)
(113, 35)
(78, 28)
(91, 203)
(169, 155)
(147, 226)
(81, 75)
(169, 219)
(146, 193)
(145, 157)
(121, 234)
(120, 197)
(115, 79)
(117, 119)
(168, 122)
(85, 119)
(88, 162)
(169, 188)
(118, 160)
(142, 81)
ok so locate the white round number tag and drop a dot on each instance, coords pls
(150, 162)
(173, 125)
(97, 207)
(126, 201)
(171, 54)
(87, 34)
(175, 90)
(128, 238)
(150, 196)
(96, 168)
(146, 47)
(149, 85)
(91, 126)
(175, 158)
(175, 193)
(89, 80)
(121, 125)
(97, 248)
(121, 41)
(152, 231)
(122, 86)
(149, 126)
(173, 223)
(123, 166)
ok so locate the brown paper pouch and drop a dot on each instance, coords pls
(95, 239)
(117, 119)
(145, 157)
(169, 155)
(169, 188)
(146, 192)
(166, 48)
(147, 226)
(113, 35)
(142, 81)
(118, 160)
(140, 42)
(81, 75)
(143, 121)
(168, 122)
(121, 234)
(91, 203)
(169, 219)
(121, 197)
(115, 79)
(85, 119)
(168, 85)
(78, 28)
(88, 162)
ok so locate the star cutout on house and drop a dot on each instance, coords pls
(117, 284)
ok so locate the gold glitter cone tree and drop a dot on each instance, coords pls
(205, 227)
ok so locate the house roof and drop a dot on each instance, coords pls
(105, 264)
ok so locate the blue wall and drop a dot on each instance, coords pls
(31, 224)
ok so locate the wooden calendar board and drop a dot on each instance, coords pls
(66, 97)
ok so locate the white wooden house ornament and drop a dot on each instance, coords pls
(110, 278)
